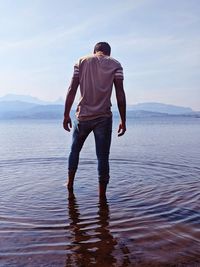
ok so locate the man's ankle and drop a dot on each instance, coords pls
(70, 183)
(102, 190)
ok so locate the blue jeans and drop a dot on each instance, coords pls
(102, 129)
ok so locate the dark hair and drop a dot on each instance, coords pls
(103, 47)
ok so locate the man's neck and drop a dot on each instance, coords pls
(99, 53)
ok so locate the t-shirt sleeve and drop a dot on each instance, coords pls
(76, 70)
(119, 73)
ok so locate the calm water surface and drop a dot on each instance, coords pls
(152, 213)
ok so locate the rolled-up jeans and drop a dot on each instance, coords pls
(102, 129)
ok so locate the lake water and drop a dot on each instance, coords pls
(152, 213)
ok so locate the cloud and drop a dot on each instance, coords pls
(64, 32)
(44, 39)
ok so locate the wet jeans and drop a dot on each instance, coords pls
(102, 129)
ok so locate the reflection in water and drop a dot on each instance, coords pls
(91, 249)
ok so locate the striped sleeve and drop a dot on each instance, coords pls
(76, 70)
(119, 73)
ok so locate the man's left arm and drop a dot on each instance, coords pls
(67, 123)
(121, 103)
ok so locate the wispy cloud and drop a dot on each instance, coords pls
(44, 39)
(65, 32)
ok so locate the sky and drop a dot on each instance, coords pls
(156, 41)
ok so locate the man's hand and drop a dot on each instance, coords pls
(122, 129)
(67, 123)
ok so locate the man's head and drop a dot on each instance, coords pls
(103, 47)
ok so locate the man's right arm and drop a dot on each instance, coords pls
(67, 124)
(121, 103)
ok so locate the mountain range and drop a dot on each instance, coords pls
(25, 106)
(29, 99)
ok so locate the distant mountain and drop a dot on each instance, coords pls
(15, 106)
(161, 108)
(59, 101)
(25, 106)
(22, 98)
(24, 110)
(30, 99)
(20, 106)
(46, 112)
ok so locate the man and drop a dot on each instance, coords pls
(96, 75)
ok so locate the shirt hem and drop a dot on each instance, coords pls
(93, 117)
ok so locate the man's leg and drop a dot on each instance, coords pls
(80, 133)
(102, 133)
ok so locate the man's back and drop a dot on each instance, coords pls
(96, 75)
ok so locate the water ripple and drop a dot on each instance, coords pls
(153, 208)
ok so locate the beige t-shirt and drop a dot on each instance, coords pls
(96, 75)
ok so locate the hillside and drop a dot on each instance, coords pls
(15, 107)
